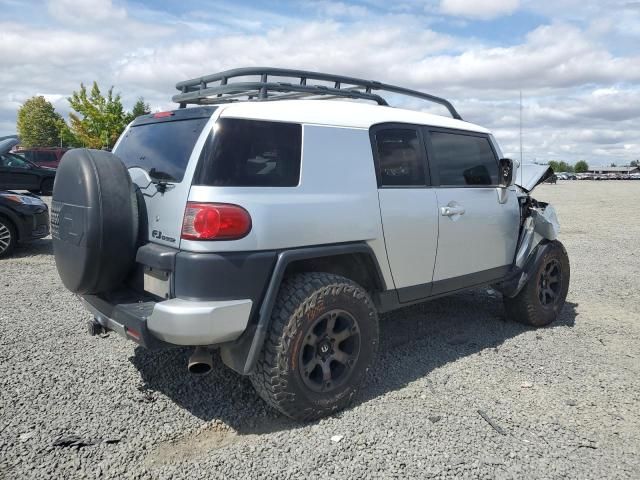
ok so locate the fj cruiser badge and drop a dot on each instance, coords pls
(158, 234)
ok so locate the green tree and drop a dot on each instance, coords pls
(99, 119)
(66, 136)
(581, 167)
(612, 164)
(560, 166)
(38, 123)
(634, 163)
(139, 108)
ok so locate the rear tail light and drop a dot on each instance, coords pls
(163, 114)
(215, 221)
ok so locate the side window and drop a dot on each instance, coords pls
(47, 157)
(463, 159)
(251, 153)
(400, 157)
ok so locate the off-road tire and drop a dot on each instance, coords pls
(46, 188)
(527, 307)
(9, 236)
(303, 300)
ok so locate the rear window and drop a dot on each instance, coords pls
(252, 153)
(162, 149)
(400, 157)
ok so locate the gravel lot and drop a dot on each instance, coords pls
(565, 400)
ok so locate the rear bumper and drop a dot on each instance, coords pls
(169, 323)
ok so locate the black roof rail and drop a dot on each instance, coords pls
(198, 91)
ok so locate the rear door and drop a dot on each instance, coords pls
(477, 232)
(161, 152)
(408, 207)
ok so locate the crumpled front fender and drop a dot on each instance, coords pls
(539, 230)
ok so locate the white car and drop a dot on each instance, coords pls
(276, 218)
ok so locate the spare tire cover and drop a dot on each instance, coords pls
(94, 220)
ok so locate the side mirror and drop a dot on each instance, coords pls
(505, 172)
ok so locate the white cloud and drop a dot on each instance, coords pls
(78, 11)
(484, 10)
(582, 96)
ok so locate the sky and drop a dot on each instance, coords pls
(576, 62)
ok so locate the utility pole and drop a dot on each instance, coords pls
(521, 157)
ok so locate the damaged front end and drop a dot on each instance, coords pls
(538, 226)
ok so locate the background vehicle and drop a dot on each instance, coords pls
(256, 227)
(17, 173)
(43, 156)
(23, 217)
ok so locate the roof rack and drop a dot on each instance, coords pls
(199, 91)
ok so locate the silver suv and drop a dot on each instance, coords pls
(275, 227)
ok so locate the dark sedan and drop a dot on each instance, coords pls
(17, 173)
(23, 217)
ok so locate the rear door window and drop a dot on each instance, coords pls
(399, 154)
(463, 160)
(162, 149)
(252, 153)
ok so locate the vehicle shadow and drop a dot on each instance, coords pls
(44, 246)
(448, 329)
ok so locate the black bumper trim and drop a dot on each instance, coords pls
(130, 310)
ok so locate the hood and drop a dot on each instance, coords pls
(529, 175)
(8, 144)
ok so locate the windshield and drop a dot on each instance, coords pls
(13, 160)
(162, 149)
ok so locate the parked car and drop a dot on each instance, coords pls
(17, 173)
(23, 217)
(43, 156)
(256, 227)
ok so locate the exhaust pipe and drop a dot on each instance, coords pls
(200, 361)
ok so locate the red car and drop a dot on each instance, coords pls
(43, 156)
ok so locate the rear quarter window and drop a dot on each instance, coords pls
(251, 153)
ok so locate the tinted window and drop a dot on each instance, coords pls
(13, 161)
(251, 153)
(162, 149)
(464, 159)
(400, 157)
(46, 157)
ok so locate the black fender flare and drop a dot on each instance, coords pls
(511, 286)
(242, 355)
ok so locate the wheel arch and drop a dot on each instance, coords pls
(355, 261)
(15, 221)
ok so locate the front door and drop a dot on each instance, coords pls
(408, 207)
(477, 232)
(17, 174)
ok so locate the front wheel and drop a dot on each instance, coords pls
(8, 237)
(322, 341)
(541, 300)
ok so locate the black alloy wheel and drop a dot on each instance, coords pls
(330, 349)
(550, 283)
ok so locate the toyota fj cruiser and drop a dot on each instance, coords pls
(275, 227)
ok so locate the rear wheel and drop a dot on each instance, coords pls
(323, 340)
(541, 300)
(8, 237)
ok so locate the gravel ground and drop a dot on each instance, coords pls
(563, 401)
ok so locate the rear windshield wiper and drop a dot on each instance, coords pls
(160, 176)
(160, 179)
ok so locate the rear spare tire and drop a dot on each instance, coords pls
(94, 221)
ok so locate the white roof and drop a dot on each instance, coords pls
(339, 113)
